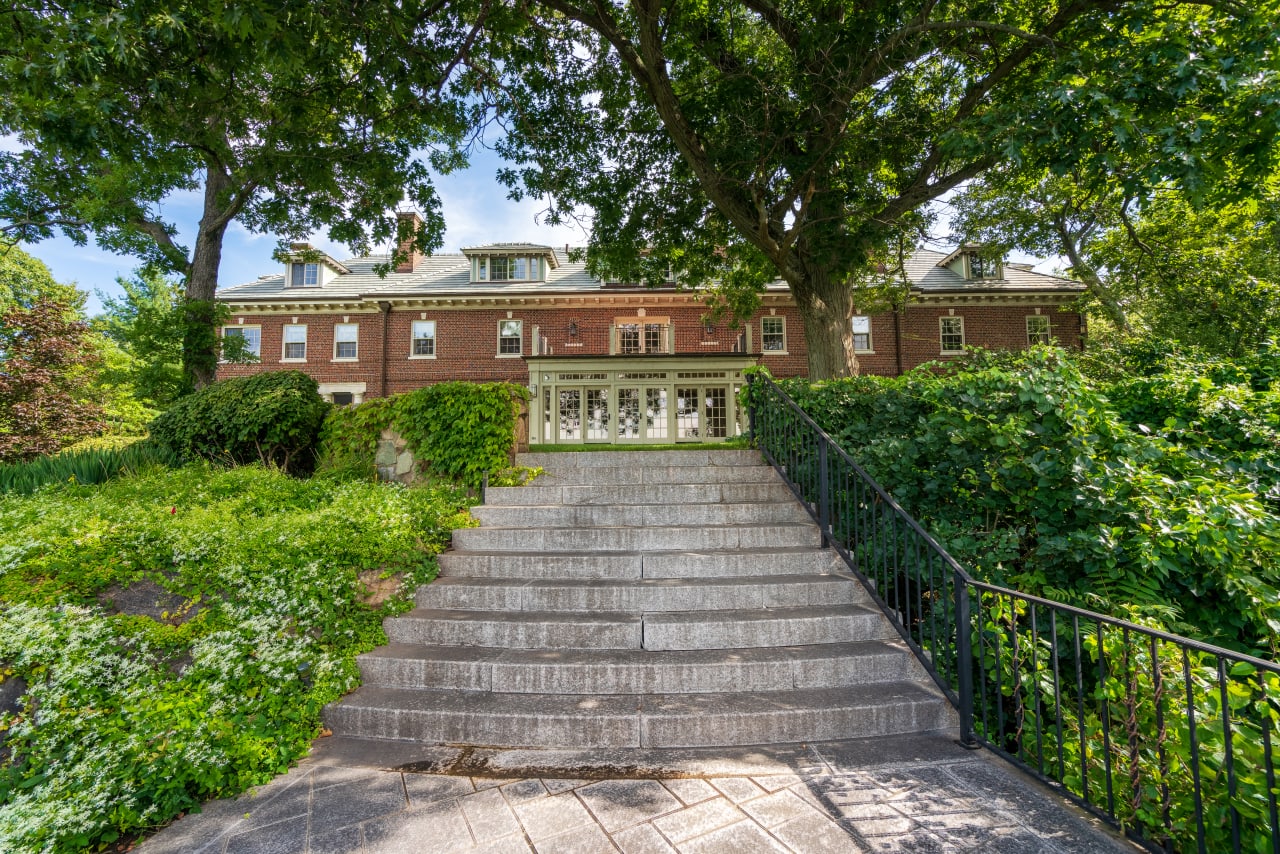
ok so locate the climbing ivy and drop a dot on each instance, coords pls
(459, 430)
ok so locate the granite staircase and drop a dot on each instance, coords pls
(641, 599)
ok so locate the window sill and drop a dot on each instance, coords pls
(509, 356)
(422, 357)
(774, 353)
(293, 361)
(356, 359)
(864, 352)
(951, 352)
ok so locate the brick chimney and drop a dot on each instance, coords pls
(408, 223)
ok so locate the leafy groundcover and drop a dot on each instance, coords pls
(178, 632)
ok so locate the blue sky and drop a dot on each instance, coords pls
(476, 210)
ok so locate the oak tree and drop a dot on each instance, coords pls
(283, 116)
(741, 140)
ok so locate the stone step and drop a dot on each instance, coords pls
(629, 539)
(639, 459)
(523, 630)
(629, 475)
(644, 720)
(728, 629)
(630, 493)
(707, 563)
(625, 515)
(758, 627)
(653, 594)
(642, 671)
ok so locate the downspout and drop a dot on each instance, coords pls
(385, 308)
(897, 336)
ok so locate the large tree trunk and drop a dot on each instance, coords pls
(200, 337)
(826, 309)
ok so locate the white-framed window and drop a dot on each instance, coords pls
(424, 340)
(346, 340)
(508, 268)
(304, 275)
(510, 337)
(1038, 331)
(636, 335)
(951, 334)
(861, 325)
(773, 334)
(295, 343)
(251, 335)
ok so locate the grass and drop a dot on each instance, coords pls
(736, 443)
(180, 631)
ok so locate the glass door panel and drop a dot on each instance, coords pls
(716, 411)
(655, 413)
(597, 414)
(628, 413)
(688, 410)
(570, 412)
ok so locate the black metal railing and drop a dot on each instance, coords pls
(1167, 738)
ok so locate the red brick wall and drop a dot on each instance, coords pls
(467, 340)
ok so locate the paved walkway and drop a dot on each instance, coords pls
(908, 795)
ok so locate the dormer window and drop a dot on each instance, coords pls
(983, 268)
(304, 275)
(510, 262)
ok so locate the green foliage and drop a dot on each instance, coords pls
(25, 280)
(1030, 474)
(458, 430)
(89, 465)
(283, 115)
(136, 713)
(271, 417)
(739, 143)
(146, 323)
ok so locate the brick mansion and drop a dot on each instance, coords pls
(605, 361)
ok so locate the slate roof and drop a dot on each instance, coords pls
(449, 275)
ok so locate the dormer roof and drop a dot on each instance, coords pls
(502, 249)
(305, 253)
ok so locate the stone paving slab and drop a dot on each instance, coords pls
(922, 794)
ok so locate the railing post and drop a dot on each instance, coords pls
(964, 661)
(824, 493)
(751, 409)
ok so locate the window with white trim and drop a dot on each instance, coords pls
(1038, 331)
(951, 332)
(773, 334)
(346, 337)
(424, 339)
(861, 325)
(295, 343)
(304, 275)
(251, 335)
(508, 268)
(510, 337)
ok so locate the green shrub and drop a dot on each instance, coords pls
(87, 466)
(273, 418)
(459, 430)
(131, 718)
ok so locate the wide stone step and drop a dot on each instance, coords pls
(700, 563)
(645, 720)
(728, 629)
(622, 515)
(628, 539)
(816, 624)
(524, 630)
(654, 594)
(637, 475)
(626, 493)
(640, 459)
(638, 671)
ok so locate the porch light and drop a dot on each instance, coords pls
(573, 329)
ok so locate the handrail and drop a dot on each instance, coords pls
(1169, 738)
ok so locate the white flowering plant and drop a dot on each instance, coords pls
(133, 715)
